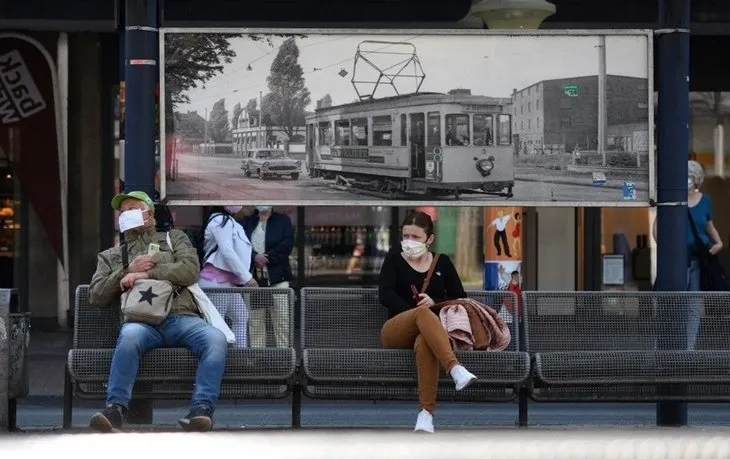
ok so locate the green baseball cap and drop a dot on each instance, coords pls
(138, 195)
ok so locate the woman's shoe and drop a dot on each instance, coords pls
(424, 423)
(462, 377)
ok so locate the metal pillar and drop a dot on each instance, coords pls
(141, 52)
(673, 152)
(141, 74)
(4, 358)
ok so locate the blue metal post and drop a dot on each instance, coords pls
(672, 153)
(141, 50)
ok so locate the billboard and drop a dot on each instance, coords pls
(407, 117)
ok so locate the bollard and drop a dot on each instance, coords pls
(5, 296)
(18, 341)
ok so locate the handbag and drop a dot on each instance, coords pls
(429, 273)
(150, 300)
(712, 274)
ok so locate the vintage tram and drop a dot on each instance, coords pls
(422, 143)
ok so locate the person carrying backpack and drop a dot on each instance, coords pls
(226, 263)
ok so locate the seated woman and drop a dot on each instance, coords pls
(412, 324)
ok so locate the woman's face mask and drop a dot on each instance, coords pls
(413, 249)
(690, 183)
(131, 219)
(263, 209)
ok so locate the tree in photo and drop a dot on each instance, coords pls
(288, 95)
(252, 110)
(219, 129)
(237, 111)
(325, 102)
(190, 126)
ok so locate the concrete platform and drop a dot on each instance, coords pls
(376, 443)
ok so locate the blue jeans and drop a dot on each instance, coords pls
(694, 305)
(205, 341)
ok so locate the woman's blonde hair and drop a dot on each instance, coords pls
(697, 172)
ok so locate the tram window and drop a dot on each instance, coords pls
(382, 131)
(457, 130)
(325, 133)
(504, 130)
(360, 132)
(342, 132)
(403, 130)
(433, 135)
(483, 130)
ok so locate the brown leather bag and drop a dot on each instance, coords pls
(429, 274)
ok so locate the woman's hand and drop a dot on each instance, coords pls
(715, 248)
(425, 301)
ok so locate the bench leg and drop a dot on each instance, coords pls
(522, 407)
(68, 399)
(13, 414)
(296, 407)
(139, 412)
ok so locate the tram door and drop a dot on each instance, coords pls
(418, 145)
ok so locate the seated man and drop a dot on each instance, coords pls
(150, 257)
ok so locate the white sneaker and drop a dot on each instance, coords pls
(424, 423)
(462, 377)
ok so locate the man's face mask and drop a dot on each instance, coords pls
(131, 219)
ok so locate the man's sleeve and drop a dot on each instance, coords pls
(105, 287)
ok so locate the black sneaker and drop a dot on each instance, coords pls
(109, 420)
(199, 419)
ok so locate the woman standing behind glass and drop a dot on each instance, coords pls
(226, 263)
(700, 210)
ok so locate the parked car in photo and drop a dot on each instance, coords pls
(270, 162)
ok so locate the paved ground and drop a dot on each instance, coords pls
(368, 444)
(211, 178)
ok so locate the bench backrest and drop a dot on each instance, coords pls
(97, 327)
(353, 317)
(567, 321)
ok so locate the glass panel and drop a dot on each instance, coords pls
(345, 245)
(403, 130)
(504, 131)
(382, 131)
(483, 130)
(457, 130)
(360, 132)
(626, 231)
(325, 133)
(433, 137)
(342, 132)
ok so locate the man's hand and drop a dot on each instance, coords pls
(128, 281)
(716, 248)
(261, 259)
(141, 264)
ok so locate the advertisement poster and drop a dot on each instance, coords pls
(503, 231)
(413, 117)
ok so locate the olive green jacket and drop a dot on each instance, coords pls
(178, 265)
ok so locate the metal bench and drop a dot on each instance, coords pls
(169, 373)
(343, 357)
(602, 346)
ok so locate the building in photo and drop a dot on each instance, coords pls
(555, 116)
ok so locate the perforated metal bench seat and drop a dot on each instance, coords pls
(590, 346)
(246, 371)
(391, 374)
(343, 357)
(169, 373)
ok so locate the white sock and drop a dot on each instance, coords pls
(424, 423)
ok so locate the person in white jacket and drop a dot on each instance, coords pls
(226, 263)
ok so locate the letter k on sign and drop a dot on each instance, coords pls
(147, 295)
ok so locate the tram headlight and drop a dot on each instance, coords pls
(485, 166)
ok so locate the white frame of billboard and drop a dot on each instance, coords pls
(648, 33)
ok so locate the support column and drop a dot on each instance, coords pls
(4, 358)
(673, 152)
(141, 52)
(141, 58)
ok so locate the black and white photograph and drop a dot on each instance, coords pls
(463, 117)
